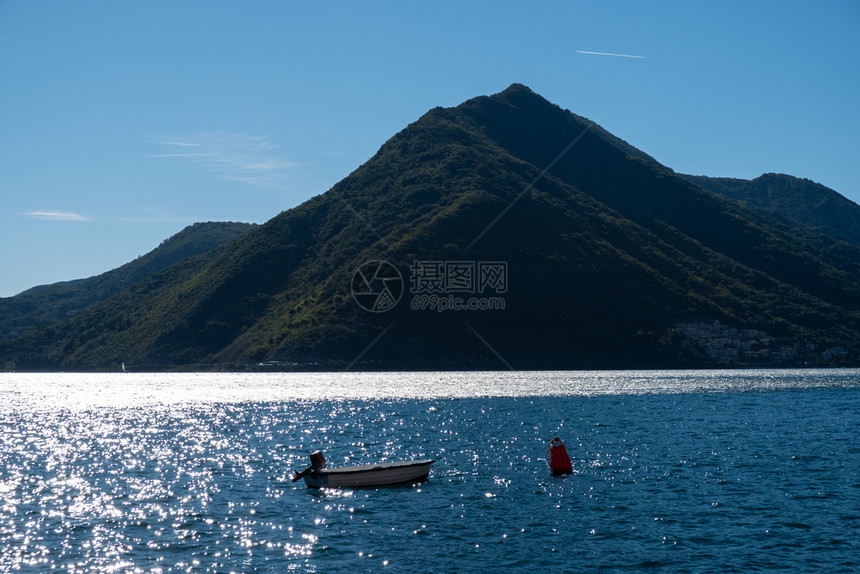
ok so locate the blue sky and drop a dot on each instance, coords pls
(123, 122)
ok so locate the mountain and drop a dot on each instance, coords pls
(49, 304)
(793, 199)
(505, 232)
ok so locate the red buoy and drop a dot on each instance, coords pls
(556, 455)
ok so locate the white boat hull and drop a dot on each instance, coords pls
(381, 474)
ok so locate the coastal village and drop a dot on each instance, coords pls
(732, 346)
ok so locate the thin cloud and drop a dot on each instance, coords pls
(57, 215)
(182, 144)
(612, 54)
(200, 154)
(245, 158)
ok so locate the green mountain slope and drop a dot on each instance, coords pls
(603, 251)
(49, 304)
(792, 199)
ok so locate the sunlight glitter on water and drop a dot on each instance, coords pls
(50, 391)
(165, 473)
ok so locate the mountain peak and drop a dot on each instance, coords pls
(522, 96)
(517, 88)
(531, 102)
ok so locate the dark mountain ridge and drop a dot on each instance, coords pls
(604, 252)
(792, 199)
(48, 304)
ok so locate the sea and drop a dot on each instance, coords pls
(673, 471)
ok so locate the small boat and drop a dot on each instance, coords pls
(379, 474)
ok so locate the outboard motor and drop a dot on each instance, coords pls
(317, 460)
(317, 463)
(556, 455)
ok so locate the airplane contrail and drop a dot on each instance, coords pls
(611, 54)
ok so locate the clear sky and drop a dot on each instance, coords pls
(123, 122)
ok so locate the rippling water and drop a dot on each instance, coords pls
(707, 471)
